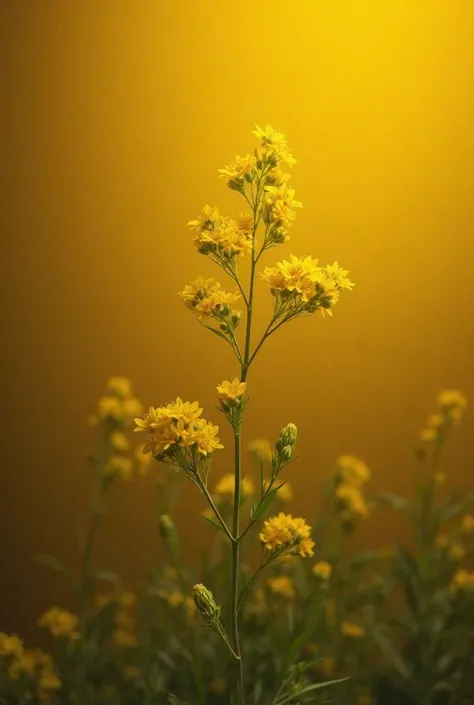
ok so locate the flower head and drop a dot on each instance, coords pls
(10, 645)
(352, 630)
(283, 533)
(353, 471)
(322, 570)
(352, 500)
(60, 623)
(282, 585)
(177, 425)
(231, 392)
(226, 485)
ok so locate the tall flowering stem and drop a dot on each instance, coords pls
(176, 433)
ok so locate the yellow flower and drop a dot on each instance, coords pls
(322, 570)
(353, 499)
(462, 580)
(240, 168)
(121, 386)
(119, 441)
(439, 478)
(226, 485)
(282, 585)
(177, 424)
(175, 599)
(283, 533)
(48, 682)
(352, 630)
(118, 466)
(231, 391)
(262, 449)
(10, 645)
(60, 623)
(467, 523)
(353, 471)
(428, 434)
(206, 220)
(456, 552)
(327, 666)
(132, 407)
(339, 276)
(123, 639)
(274, 144)
(206, 298)
(451, 398)
(110, 407)
(132, 673)
(442, 541)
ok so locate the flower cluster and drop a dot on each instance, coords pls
(451, 406)
(224, 489)
(222, 238)
(60, 623)
(31, 665)
(299, 285)
(322, 570)
(286, 534)
(176, 433)
(282, 585)
(118, 406)
(212, 304)
(463, 580)
(352, 475)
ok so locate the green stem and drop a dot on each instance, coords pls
(205, 491)
(235, 563)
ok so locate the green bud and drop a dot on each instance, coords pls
(249, 176)
(205, 603)
(288, 435)
(286, 453)
(235, 318)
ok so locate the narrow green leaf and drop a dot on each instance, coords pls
(51, 561)
(213, 523)
(108, 576)
(309, 689)
(266, 503)
(393, 500)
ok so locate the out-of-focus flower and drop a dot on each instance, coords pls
(60, 623)
(226, 485)
(353, 471)
(119, 441)
(322, 570)
(120, 467)
(462, 580)
(352, 499)
(352, 630)
(10, 645)
(282, 585)
(261, 448)
(123, 639)
(467, 523)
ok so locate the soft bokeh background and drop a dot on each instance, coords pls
(116, 118)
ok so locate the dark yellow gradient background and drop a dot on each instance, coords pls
(116, 117)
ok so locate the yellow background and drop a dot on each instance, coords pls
(117, 116)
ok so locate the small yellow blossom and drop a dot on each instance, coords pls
(283, 533)
(60, 623)
(353, 471)
(177, 424)
(48, 682)
(119, 466)
(353, 499)
(261, 448)
(175, 599)
(467, 523)
(230, 392)
(322, 570)
(240, 169)
(10, 645)
(428, 434)
(451, 398)
(462, 580)
(282, 585)
(123, 639)
(352, 630)
(121, 386)
(442, 541)
(226, 485)
(132, 673)
(439, 478)
(327, 666)
(119, 441)
(456, 552)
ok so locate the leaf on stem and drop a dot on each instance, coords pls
(51, 561)
(265, 504)
(213, 523)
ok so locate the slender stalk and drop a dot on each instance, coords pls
(225, 528)
(236, 562)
